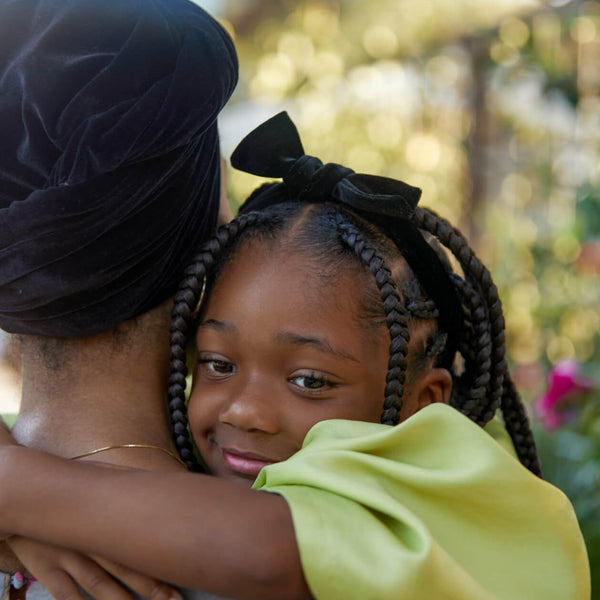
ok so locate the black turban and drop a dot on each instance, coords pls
(109, 156)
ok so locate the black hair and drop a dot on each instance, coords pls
(480, 387)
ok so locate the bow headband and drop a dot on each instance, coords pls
(274, 149)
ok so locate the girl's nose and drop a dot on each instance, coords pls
(252, 406)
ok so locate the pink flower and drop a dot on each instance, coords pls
(565, 387)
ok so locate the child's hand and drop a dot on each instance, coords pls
(65, 573)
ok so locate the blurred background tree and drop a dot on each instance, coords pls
(493, 109)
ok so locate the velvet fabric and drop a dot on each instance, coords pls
(109, 156)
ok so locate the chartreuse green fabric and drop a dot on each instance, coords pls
(434, 509)
(9, 419)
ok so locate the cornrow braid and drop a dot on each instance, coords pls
(185, 301)
(396, 318)
(484, 317)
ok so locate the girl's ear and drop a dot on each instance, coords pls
(433, 386)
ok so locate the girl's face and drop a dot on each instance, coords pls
(279, 349)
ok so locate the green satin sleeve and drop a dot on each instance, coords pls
(431, 509)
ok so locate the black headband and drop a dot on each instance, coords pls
(109, 156)
(274, 149)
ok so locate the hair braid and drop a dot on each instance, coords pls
(486, 306)
(471, 387)
(185, 301)
(517, 423)
(477, 275)
(421, 310)
(395, 315)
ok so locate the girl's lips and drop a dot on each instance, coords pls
(246, 464)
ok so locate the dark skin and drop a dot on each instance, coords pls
(113, 515)
(68, 424)
(204, 543)
(308, 348)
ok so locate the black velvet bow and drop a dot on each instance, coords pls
(274, 149)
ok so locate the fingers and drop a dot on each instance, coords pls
(95, 580)
(149, 588)
(44, 563)
(65, 573)
(60, 585)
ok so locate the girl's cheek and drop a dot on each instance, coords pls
(196, 414)
(204, 408)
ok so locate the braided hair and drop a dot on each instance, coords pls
(485, 385)
(338, 236)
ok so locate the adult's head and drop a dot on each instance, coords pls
(109, 156)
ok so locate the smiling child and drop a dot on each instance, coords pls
(327, 333)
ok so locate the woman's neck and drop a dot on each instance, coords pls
(91, 415)
(105, 397)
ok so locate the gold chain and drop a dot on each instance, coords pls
(148, 446)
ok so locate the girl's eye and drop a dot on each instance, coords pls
(312, 382)
(216, 367)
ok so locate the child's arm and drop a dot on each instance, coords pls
(192, 530)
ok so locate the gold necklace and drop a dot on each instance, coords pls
(148, 446)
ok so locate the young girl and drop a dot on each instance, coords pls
(328, 311)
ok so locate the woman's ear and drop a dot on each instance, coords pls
(433, 386)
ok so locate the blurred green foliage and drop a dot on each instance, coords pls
(492, 108)
(571, 460)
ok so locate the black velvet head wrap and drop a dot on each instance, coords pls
(109, 156)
